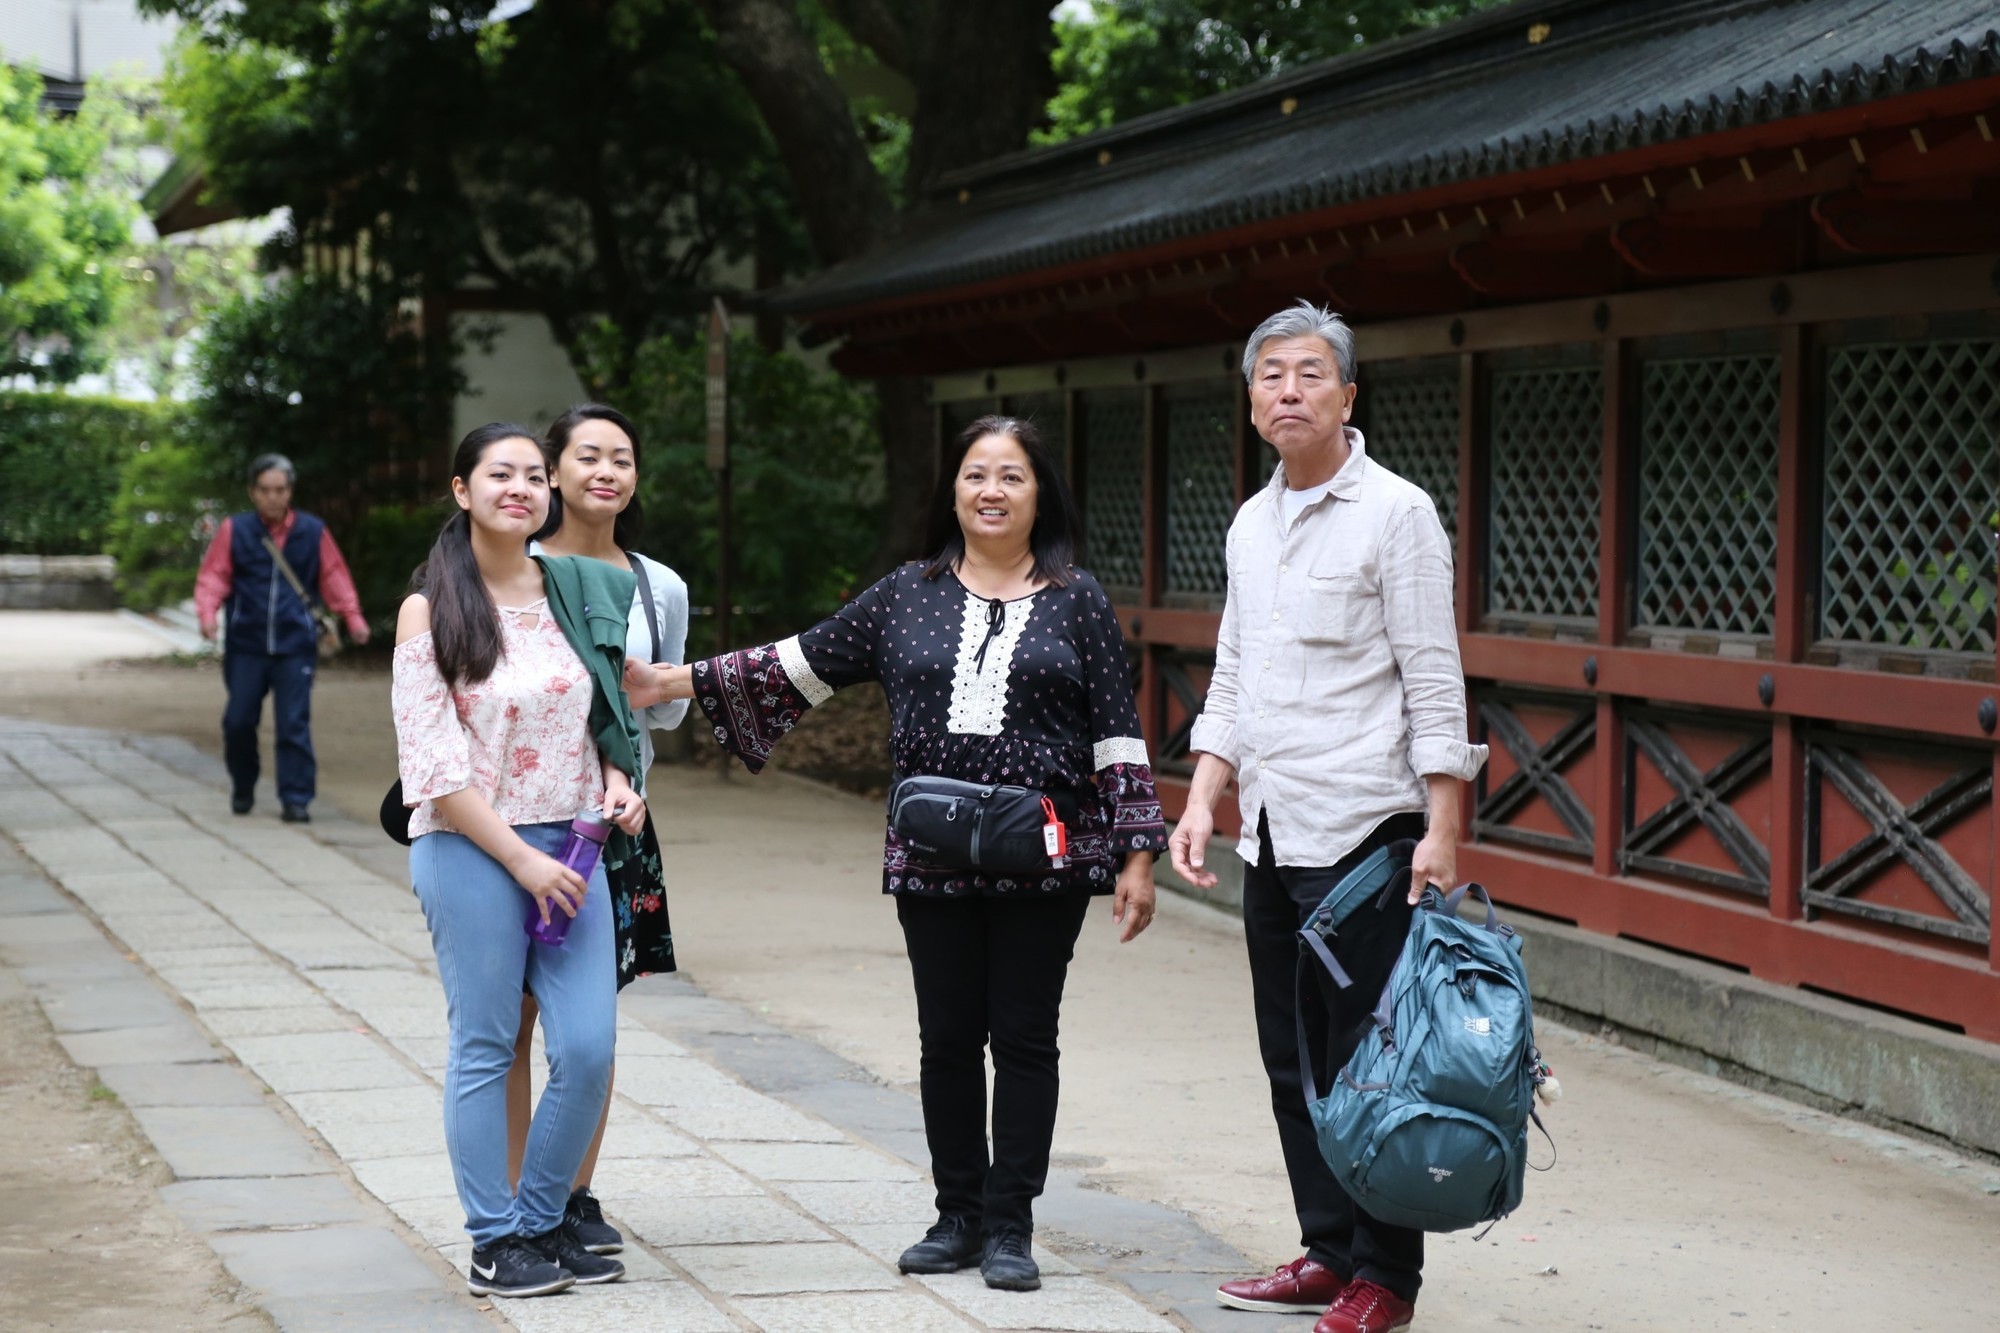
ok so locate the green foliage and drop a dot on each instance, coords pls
(383, 547)
(169, 286)
(60, 235)
(585, 161)
(171, 497)
(61, 458)
(332, 376)
(1127, 57)
(806, 467)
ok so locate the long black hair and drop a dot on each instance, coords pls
(465, 624)
(629, 528)
(1053, 539)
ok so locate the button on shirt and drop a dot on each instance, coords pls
(1337, 682)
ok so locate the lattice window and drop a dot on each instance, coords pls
(1708, 493)
(1201, 483)
(1912, 444)
(1547, 435)
(1114, 429)
(1412, 427)
(1050, 420)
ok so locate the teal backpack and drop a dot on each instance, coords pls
(1427, 1126)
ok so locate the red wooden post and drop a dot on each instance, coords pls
(1470, 564)
(1153, 553)
(1614, 582)
(1791, 627)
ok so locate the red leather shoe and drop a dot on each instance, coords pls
(1365, 1307)
(1300, 1287)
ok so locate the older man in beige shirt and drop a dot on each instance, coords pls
(1338, 706)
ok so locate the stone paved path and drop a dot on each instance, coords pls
(269, 1009)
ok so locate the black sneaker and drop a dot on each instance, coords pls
(512, 1267)
(1008, 1265)
(296, 814)
(239, 804)
(561, 1246)
(947, 1247)
(585, 1216)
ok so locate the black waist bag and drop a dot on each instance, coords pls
(974, 825)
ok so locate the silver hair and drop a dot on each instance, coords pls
(1304, 320)
(263, 463)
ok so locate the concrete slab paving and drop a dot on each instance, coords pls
(840, 1202)
(769, 1270)
(670, 1222)
(172, 1043)
(30, 895)
(285, 1020)
(814, 1161)
(98, 1004)
(379, 1312)
(1069, 1304)
(621, 1305)
(324, 1262)
(214, 1084)
(254, 1205)
(205, 1142)
(851, 1312)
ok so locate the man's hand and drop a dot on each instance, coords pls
(1435, 862)
(357, 630)
(1436, 858)
(1189, 845)
(1133, 903)
(208, 630)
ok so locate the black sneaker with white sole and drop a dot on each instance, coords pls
(561, 1246)
(585, 1216)
(511, 1266)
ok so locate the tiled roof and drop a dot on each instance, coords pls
(1476, 99)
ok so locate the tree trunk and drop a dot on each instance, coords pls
(983, 80)
(909, 449)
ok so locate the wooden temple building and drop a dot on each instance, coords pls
(1687, 314)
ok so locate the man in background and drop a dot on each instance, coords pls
(273, 634)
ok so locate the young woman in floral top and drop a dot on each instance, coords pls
(1002, 663)
(497, 756)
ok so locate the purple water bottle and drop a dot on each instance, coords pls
(580, 850)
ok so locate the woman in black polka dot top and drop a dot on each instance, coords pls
(1002, 663)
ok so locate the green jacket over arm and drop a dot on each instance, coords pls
(591, 601)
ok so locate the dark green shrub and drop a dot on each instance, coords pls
(385, 546)
(171, 498)
(61, 459)
(807, 483)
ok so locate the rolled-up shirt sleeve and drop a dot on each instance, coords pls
(1214, 732)
(1417, 614)
(433, 753)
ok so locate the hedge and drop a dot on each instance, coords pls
(62, 460)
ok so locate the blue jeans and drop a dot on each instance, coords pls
(476, 912)
(288, 679)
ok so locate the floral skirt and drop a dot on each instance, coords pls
(639, 905)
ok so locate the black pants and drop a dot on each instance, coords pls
(289, 679)
(990, 969)
(1276, 901)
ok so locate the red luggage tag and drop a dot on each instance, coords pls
(1055, 838)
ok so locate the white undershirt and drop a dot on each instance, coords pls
(1295, 501)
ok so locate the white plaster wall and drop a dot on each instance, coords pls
(525, 377)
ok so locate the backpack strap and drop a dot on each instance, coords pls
(646, 601)
(1451, 901)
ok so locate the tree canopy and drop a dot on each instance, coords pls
(61, 232)
(1123, 58)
